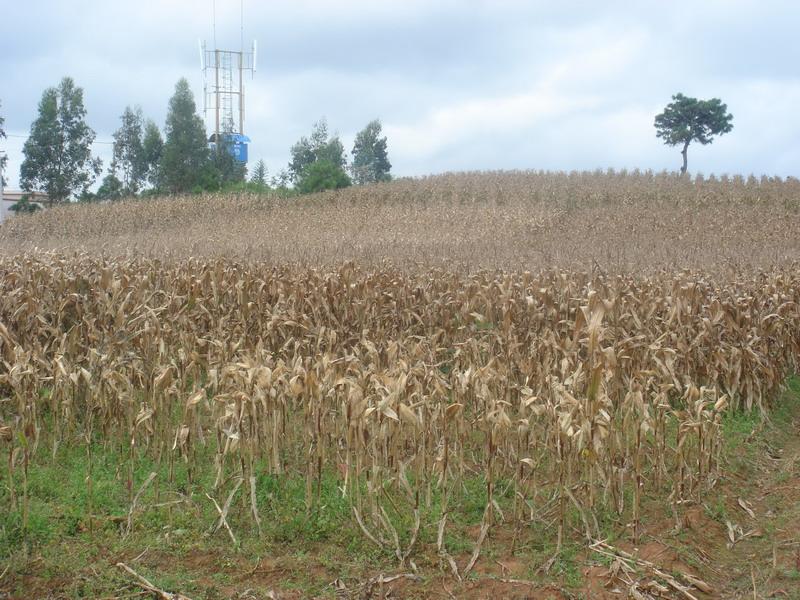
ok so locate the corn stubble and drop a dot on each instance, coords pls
(571, 393)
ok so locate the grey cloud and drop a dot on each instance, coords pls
(458, 84)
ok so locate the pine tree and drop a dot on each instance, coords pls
(259, 176)
(185, 157)
(58, 156)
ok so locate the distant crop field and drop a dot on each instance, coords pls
(521, 220)
(429, 377)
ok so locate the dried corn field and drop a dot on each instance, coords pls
(620, 222)
(553, 395)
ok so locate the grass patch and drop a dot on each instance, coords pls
(76, 536)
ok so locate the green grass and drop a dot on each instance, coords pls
(60, 519)
(717, 510)
(791, 574)
(64, 541)
(567, 565)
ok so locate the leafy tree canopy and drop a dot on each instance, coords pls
(281, 180)
(129, 158)
(58, 157)
(322, 175)
(152, 148)
(370, 158)
(185, 155)
(318, 146)
(111, 188)
(686, 120)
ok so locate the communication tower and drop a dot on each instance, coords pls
(223, 91)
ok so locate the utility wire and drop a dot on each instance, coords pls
(12, 135)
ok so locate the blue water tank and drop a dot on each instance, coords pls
(239, 146)
(236, 142)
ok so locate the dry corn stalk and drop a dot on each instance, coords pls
(561, 386)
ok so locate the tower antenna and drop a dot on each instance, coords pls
(224, 89)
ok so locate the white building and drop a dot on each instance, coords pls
(11, 197)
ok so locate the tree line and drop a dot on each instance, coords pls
(58, 160)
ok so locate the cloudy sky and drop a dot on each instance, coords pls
(458, 84)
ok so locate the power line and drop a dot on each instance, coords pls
(12, 135)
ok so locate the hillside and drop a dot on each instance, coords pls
(501, 385)
(524, 220)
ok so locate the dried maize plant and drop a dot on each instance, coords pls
(636, 425)
(701, 421)
(22, 429)
(597, 405)
(388, 440)
(479, 413)
(559, 392)
(626, 221)
(240, 408)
